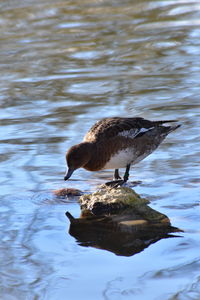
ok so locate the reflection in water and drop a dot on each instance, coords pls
(124, 233)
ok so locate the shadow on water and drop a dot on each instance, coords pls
(120, 228)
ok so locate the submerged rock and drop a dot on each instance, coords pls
(65, 192)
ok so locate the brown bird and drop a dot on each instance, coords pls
(114, 143)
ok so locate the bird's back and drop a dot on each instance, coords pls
(111, 127)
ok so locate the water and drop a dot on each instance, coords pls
(64, 65)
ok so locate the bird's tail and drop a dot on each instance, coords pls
(165, 121)
(167, 129)
(172, 128)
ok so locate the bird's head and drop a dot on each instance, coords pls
(77, 156)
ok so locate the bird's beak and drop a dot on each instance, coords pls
(68, 174)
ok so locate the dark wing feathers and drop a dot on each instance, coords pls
(167, 121)
(110, 127)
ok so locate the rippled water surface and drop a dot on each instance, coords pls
(64, 65)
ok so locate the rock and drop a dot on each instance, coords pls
(112, 200)
(123, 196)
(65, 192)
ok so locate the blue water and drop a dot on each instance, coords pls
(63, 66)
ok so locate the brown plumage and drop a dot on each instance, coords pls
(115, 143)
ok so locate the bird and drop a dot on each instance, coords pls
(117, 142)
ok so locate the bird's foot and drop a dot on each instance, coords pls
(134, 183)
(121, 182)
(117, 178)
(115, 183)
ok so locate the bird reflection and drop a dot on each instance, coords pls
(125, 232)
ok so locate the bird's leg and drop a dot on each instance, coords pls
(126, 174)
(116, 174)
(118, 181)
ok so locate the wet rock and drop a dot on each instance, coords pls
(111, 200)
(107, 195)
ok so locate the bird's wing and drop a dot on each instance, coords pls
(127, 127)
